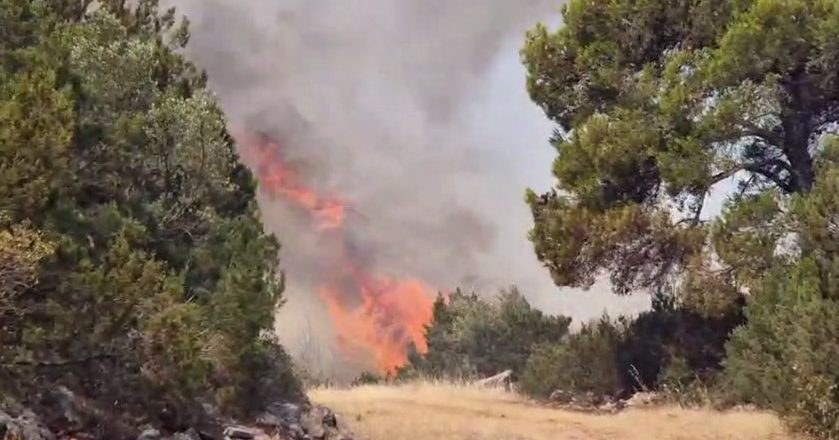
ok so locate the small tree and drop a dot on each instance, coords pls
(784, 358)
(470, 336)
(587, 362)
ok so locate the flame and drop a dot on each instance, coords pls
(373, 314)
(392, 315)
(277, 178)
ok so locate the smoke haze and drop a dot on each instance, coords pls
(380, 102)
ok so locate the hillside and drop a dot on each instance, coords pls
(435, 411)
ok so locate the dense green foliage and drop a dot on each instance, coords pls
(585, 363)
(133, 267)
(469, 336)
(785, 357)
(668, 347)
(660, 103)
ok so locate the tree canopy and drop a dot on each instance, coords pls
(659, 103)
(133, 266)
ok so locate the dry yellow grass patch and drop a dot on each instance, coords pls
(449, 412)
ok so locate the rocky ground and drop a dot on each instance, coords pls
(281, 421)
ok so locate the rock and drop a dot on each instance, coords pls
(69, 405)
(301, 422)
(561, 397)
(642, 399)
(295, 431)
(317, 432)
(26, 426)
(586, 401)
(312, 423)
(325, 416)
(611, 406)
(239, 433)
(280, 414)
(501, 380)
(149, 434)
(190, 434)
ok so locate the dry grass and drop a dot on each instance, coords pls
(450, 412)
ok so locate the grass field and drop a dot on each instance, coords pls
(450, 412)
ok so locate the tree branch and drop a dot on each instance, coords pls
(768, 136)
(758, 168)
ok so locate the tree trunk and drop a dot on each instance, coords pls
(797, 121)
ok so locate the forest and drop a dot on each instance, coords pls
(136, 274)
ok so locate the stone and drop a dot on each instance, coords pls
(149, 434)
(291, 421)
(562, 397)
(296, 430)
(239, 433)
(642, 399)
(325, 416)
(611, 406)
(500, 380)
(190, 434)
(317, 432)
(69, 405)
(26, 426)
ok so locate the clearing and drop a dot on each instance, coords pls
(439, 411)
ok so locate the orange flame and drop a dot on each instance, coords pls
(373, 314)
(277, 178)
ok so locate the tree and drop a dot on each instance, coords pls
(471, 336)
(134, 269)
(784, 357)
(658, 103)
(585, 363)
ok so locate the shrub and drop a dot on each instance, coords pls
(585, 362)
(669, 347)
(784, 359)
(368, 378)
(470, 336)
(671, 333)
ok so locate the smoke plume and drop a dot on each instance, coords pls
(366, 101)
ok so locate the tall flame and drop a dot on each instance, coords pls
(374, 314)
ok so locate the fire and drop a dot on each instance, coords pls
(391, 316)
(374, 314)
(277, 178)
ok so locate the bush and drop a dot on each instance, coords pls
(368, 378)
(669, 348)
(784, 359)
(469, 336)
(586, 362)
(674, 334)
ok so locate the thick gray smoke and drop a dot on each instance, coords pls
(372, 98)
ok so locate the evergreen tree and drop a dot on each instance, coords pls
(657, 103)
(471, 336)
(133, 266)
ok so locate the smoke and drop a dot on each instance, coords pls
(373, 100)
